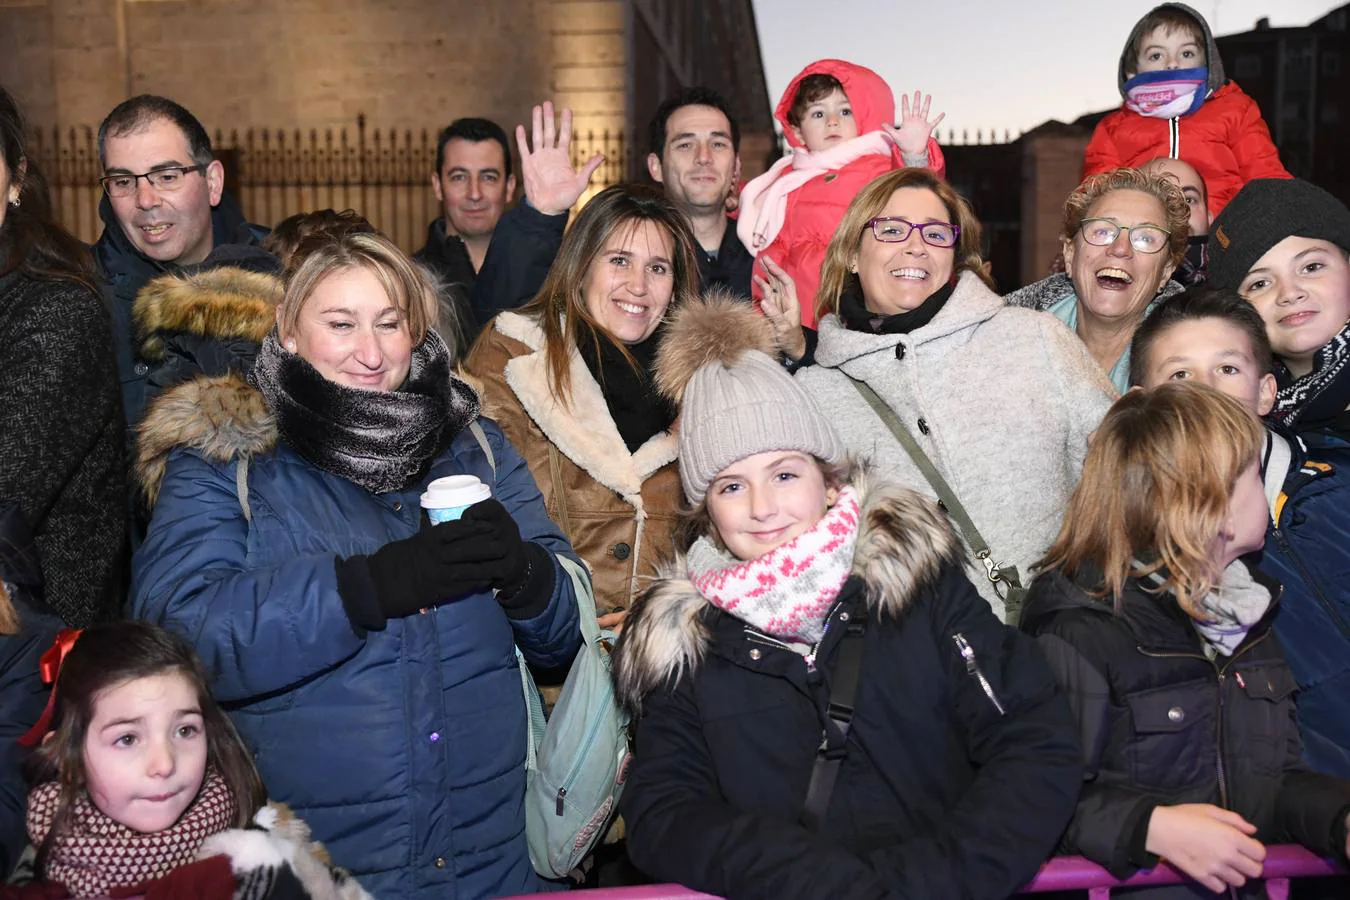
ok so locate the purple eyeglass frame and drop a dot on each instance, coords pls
(956, 231)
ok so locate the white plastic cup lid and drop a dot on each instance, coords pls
(455, 490)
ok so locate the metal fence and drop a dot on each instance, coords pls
(384, 174)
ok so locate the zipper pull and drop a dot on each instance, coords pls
(973, 669)
(967, 653)
(558, 808)
(1237, 676)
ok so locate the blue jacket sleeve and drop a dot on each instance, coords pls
(524, 245)
(258, 631)
(551, 638)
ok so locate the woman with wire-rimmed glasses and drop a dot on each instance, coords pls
(917, 349)
(1124, 233)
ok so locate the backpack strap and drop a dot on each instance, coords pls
(834, 745)
(241, 486)
(1006, 575)
(478, 435)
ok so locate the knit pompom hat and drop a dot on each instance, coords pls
(1265, 212)
(718, 362)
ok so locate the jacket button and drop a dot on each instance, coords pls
(923, 426)
(434, 736)
(621, 550)
(755, 654)
(899, 351)
(843, 617)
(1176, 714)
(141, 368)
(440, 862)
(398, 505)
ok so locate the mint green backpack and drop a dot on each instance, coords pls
(578, 755)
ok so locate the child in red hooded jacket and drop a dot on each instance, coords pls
(837, 117)
(1179, 103)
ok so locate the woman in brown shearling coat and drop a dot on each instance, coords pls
(567, 377)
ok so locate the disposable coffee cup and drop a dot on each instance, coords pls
(446, 498)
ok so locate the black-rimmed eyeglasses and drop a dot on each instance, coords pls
(894, 229)
(169, 178)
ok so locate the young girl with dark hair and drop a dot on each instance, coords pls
(138, 770)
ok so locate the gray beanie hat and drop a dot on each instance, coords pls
(735, 399)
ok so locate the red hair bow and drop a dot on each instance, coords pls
(49, 667)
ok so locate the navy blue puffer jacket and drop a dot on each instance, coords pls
(404, 748)
(1308, 551)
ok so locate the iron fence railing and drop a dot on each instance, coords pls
(383, 173)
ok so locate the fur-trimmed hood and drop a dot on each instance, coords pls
(222, 303)
(904, 542)
(221, 418)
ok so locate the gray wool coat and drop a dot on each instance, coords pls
(1001, 399)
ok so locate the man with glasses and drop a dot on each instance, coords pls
(164, 208)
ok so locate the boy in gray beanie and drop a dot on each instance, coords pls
(1284, 245)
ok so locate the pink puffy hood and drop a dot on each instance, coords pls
(871, 98)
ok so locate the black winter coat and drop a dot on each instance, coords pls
(22, 693)
(959, 775)
(448, 259)
(62, 440)
(126, 271)
(1163, 724)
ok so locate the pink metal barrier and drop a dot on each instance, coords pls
(1074, 873)
(1063, 873)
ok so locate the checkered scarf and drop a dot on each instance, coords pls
(96, 853)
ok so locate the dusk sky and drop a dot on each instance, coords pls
(987, 63)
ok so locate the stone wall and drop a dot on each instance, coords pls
(298, 63)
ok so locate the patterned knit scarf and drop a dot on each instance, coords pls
(788, 591)
(1321, 395)
(95, 853)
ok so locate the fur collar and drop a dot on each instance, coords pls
(221, 418)
(584, 432)
(904, 541)
(223, 302)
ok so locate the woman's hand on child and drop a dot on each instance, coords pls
(552, 186)
(781, 306)
(914, 130)
(1212, 845)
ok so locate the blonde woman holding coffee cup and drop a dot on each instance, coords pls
(366, 653)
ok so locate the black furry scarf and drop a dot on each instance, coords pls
(381, 440)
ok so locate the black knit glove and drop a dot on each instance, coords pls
(520, 570)
(483, 549)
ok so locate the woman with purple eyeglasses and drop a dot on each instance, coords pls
(996, 403)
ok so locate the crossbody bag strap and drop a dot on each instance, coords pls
(830, 756)
(1008, 575)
